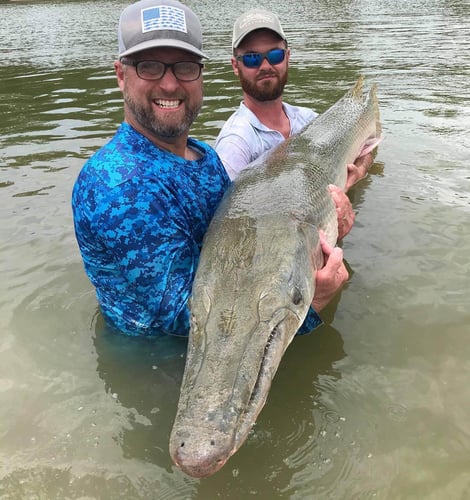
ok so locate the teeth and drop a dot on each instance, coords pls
(167, 103)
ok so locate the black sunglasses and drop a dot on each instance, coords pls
(255, 59)
(186, 71)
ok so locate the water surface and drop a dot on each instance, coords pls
(375, 403)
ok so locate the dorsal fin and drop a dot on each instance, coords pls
(356, 91)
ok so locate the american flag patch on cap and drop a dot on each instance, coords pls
(163, 17)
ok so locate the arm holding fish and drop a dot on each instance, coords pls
(346, 216)
(331, 277)
(344, 210)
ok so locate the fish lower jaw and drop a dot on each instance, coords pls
(279, 339)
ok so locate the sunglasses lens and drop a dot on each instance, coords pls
(275, 56)
(252, 60)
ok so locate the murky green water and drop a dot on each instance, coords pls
(373, 405)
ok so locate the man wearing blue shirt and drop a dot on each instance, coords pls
(143, 202)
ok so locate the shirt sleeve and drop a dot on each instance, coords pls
(312, 321)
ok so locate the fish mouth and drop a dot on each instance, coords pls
(274, 349)
(263, 371)
(202, 450)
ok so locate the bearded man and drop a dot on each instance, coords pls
(260, 60)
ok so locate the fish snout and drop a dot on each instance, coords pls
(200, 455)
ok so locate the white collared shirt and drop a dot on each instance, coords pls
(243, 138)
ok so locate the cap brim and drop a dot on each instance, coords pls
(151, 44)
(246, 32)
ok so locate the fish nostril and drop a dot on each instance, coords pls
(212, 442)
(296, 297)
(182, 445)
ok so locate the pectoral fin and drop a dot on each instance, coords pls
(369, 146)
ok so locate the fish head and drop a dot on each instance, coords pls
(237, 339)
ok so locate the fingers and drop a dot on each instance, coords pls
(364, 162)
(325, 246)
(335, 191)
(350, 167)
(334, 274)
(344, 210)
(334, 271)
(355, 173)
(331, 278)
(358, 169)
(328, 250)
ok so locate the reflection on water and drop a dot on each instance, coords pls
(373, 405)
(154, 368)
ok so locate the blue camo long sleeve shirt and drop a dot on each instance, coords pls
(140, 214)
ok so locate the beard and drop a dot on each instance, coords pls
(157, 126)
(264, 90)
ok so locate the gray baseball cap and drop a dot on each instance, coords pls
(159, 23)
(252, 20)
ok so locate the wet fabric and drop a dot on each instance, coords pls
(140, 214)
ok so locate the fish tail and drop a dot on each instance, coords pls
(372, 103)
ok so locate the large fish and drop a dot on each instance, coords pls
(255, 279)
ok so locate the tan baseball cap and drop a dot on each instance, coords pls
(252, 20)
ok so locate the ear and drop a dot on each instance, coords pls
(118, 68)
(288, 56)
(234, 65)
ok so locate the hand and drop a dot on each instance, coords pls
(331, 277)
(358, 169)
(344, 210)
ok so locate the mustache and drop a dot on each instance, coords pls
(265, 73)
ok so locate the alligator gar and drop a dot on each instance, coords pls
(255, 279)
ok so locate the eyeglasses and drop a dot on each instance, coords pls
(255, 59)
(185, 71)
